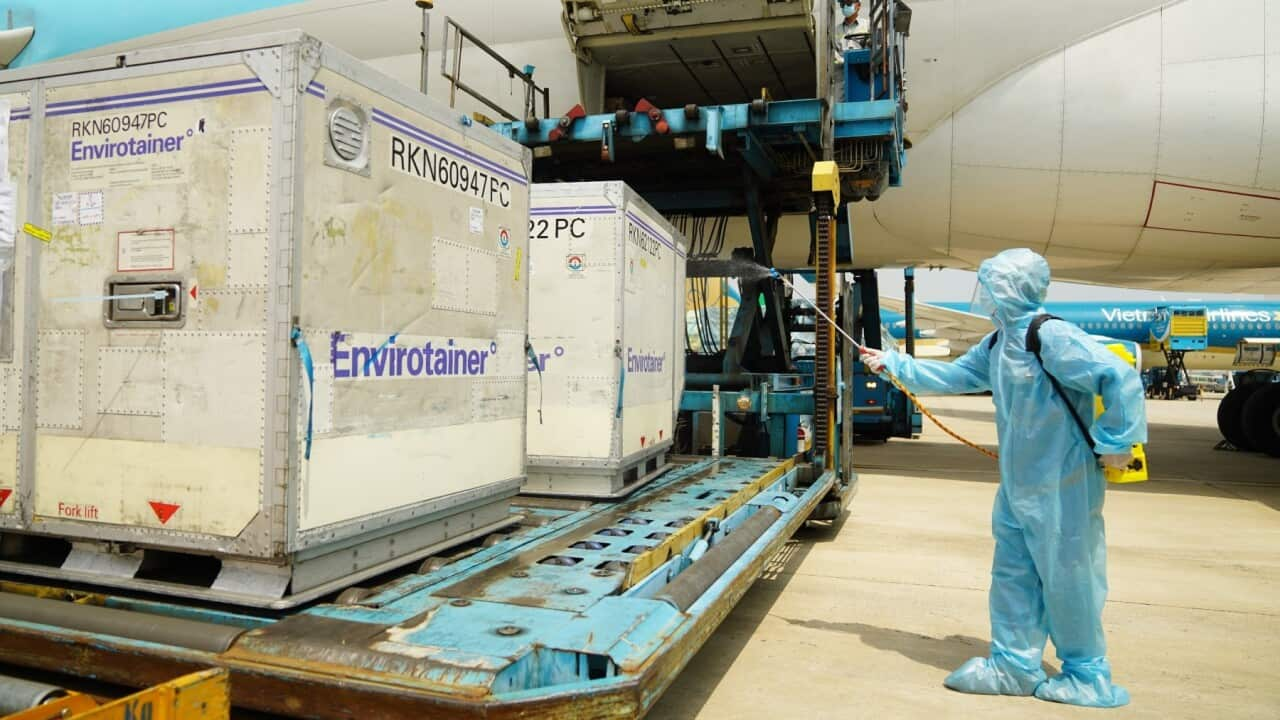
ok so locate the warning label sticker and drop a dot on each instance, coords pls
(91, 208)
(66, 207)
(163, 510)
(79, 511)
(142, 250)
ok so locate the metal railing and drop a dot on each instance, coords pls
(451, 69)
(890, 24)
(882, 45)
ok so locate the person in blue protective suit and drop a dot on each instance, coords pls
(1048, 577)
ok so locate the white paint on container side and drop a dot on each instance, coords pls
(138, 484)
(647, 331)
(354, 476)
(573, 323)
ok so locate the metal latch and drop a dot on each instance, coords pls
(143, 303)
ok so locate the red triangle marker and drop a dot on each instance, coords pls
(163, 511)
(641, 441)
(193, 292)
(4, 496)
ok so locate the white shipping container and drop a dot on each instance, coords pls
(267, 326)
(606, 324)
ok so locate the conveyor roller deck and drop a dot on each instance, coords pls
(591, 613)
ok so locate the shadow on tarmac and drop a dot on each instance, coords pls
(691, 690)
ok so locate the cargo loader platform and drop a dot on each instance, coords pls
(588, 610)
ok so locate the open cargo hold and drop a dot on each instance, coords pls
(274, 339)
(606, 323)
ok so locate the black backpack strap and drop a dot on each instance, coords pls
(1033, 346)
(1033, 334)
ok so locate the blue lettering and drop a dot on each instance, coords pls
(335, 355)
(389, 360)
(426, 358)
(106, 148)
(645, 363)
(379, 360)
(360, 359)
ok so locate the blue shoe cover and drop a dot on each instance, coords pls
(986, 676)
(1085, 683)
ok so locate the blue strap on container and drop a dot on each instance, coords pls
(369, 361)
(622, 384)
(304, 353)
(533, 359)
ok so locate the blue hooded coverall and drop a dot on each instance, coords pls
(1048, 577)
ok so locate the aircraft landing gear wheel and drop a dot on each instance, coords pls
(1262, 419)
(1231, 416)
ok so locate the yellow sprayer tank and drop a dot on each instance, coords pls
(1137, 470)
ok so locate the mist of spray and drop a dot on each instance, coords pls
(773, 272)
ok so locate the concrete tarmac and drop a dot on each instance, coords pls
(866, 619)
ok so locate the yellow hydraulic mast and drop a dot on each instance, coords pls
(826, 197)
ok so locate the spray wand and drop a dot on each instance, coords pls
(862, 350)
